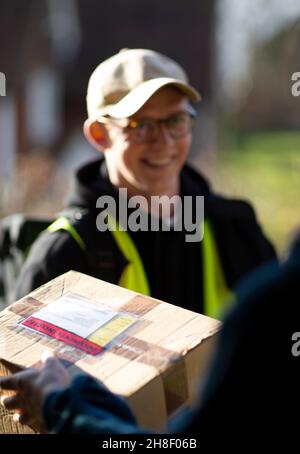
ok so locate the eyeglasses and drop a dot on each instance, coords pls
(147, 130)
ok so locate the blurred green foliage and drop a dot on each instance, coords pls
(265, 169)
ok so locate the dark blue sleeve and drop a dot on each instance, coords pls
(88, 407)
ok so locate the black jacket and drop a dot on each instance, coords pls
(173, 266)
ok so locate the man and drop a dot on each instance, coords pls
(140, 118)
(251, 393)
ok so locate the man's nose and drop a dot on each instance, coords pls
(163, 133)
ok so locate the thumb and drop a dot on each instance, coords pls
(54, 370)
(47, 354)
(51, 363)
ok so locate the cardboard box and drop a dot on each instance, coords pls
(149, 351)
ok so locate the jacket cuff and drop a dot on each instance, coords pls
(86, 406)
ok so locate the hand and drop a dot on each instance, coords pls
(31, 387)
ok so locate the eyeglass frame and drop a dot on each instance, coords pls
(126, 124)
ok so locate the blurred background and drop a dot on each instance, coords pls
(240, 55)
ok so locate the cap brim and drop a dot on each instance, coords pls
(132, 102)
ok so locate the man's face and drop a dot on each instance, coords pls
(150, 167)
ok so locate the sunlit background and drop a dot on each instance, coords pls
(239, 54)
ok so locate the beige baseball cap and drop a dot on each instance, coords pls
(122, 84)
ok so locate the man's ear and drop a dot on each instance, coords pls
(96, 134)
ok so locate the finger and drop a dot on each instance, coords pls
(12, 367)
(10, 382)
(17, 415)
(52, 363)
(2, 399)
(23, 418)
(47, 354)
(19, 380)
(11, 402)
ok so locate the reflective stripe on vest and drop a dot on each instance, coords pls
(64, 224)
(217, 296)
(133, 276)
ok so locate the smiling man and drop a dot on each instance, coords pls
(140, 118)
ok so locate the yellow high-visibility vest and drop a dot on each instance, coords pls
(217, 296)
